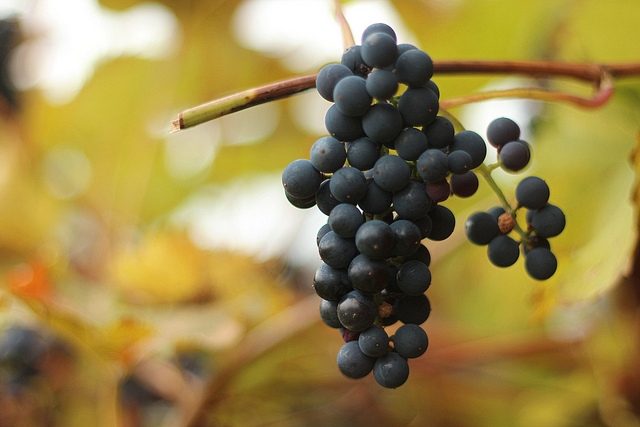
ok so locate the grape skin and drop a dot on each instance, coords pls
(439, 132)
(548, 221)
(391, 370)
(301, 179)
(472, 143)
(328, 77)
(481, 228)
(350, 96)
(411, 202)
(418, 106)
(503, 251)
(532, 192)
(341, 126)
(367, 275)
(501, 131)
(345, 219)
(540, 263)
(414, 68)
(337, 251)
(414, 278)
(381, 84)
(391, 173)
(374, 341)
(352, 362)
(410, 341)
(444, 222)
(363, 153)
(515, 156)
(348, 185)
(379, 50)
(357, 311)
(327, 154)
(382, 122)
(464, 185)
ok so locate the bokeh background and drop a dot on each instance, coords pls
(157, 279)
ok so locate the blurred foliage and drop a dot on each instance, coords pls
(142, 322)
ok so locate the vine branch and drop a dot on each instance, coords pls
(600, 75)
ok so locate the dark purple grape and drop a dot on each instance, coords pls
(412, 201)
(337, 251)
(345, 219)
(327, 154)
(329, 313)
(300, 179)
(382, 122)
(548, 221)
(391, 173)
(433, 165)
(413, 309)
(439, 132)
(379, 27)
(328, 77)
(357, 311)
(363, 153)
(438, 191)
(418, 106)
(410, 341)
(375, 239)
(352, 362)
(515, 155)
(414, 68)
(410, 143)
(391, 370)
(414, 278)
(501, 131)
(459, 162)
(341, 126)
(503, 251)
(532, 192)
(472, 143)
(464, 185)
(374, 341)
(324, 199)
(331, 283)
(481, 228)
(382, 84)
(540, 263)
(407, 237)
(351, 97)
(379, 50)
(352, 59)
(367, 275)
(444, 221)
(375, 200)
(348, 185)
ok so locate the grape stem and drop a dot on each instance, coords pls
(601, 75)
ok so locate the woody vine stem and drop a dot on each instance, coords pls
(601, 76)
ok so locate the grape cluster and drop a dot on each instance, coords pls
(543, 220)
(380, 175)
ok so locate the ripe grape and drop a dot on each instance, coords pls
(381, 84)
(548, 221)
(379, 50)
(418, 106)
(327, 154)
(374, 341)
(350, 96)
(410, 341)
(481, 228)
(328, 77)
(352, 362)
(532, 193)
(501, 131)
(391, 173)
(515, 155)
(348, 185)
(414, 68)
(345, 219)
(391, 370)
(301, 179)
(382, 122)
(540, 263)
(503, 251)
(357, 311)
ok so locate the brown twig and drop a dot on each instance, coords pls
(594, 73)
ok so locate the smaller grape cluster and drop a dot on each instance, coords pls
(543, 220)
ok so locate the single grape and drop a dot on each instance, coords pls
(410, 143)
(379, 27)
(439, 132)
(418, 106)
(425, 225)
(379, 50)
(391, 370)
(328, 77)
(414, 278)
(341, 126)
(331, 283)
(352, 362)
(348, 185)
(413, 309)
(327, 154)
(351, 97)
(329, 313)
(501, 131)
(391, 173)
(367, 275)
(337, 251)
(540, 263)
(433, 87)
(374, 341)
(352, 59)
(382, 84)
(421, 254)
(439, 191)
(464, 185)
(412, 201)
(382, 122)
(357, 311)
(414, 68)
(532, 192)
(503, 251)
(548, 221)
(321, 232)
(472, 143)
(345, 219)
(515, 155)
(300, 179)
(481, 228)
(444, 221)
(375, 200)
(305, 203)
(406, 237)
(363, 153)
(410, 341)
(324, 199)
(459, 162)
(433, 165)
(375, 239)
